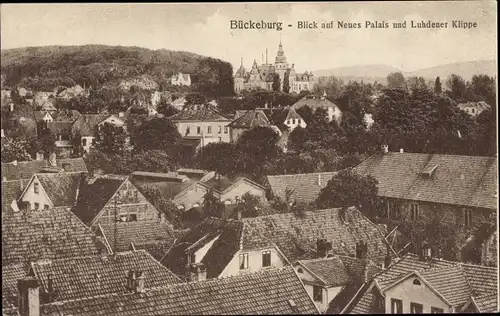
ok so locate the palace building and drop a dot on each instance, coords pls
(262, 76)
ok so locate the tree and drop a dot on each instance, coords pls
(356, 98)
(437, 86)
(219, 157)
(110, 139)
(195, 98)
(348, 189)
(167, 110)
(457, 87)
(77, 147)
(483, 88)
(276, 83)
(157, 133)
(306, 113)
(416, 83)
(396, 80)
(46, 142)
(14, 149)
(286, 83)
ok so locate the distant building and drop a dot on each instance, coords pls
(88, 124)
(204, 122)
(246, 120)
(332, 110)
(181, 79)
(72, 92)
(262, 76)
(474, 108)
(17, 170)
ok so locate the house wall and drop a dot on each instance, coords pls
(129, 200)
(200, 254)
(113, 120)
(489, 251)
(254, 262)
(88, 142)
(240, 189)
(215, 135)
(293, 123)
(236, 133)
(31, 197)
(408, 292)
(334, 113)
(193, 195)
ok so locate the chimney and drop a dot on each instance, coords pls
(14, 163)
(28, 297)
(401, 150)
(361, 250)
(385, 149)
(39, 156)
(53, 160)
(387, 259)
(426, 252)
(321, 247)
(139, 282)
(130, 280)
(319, 179)
(197, 272)
(238, 212)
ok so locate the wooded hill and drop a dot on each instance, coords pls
(45, 68)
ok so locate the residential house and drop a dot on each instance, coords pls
(333, 111)
(225, 247)
(422, 284)
(187, 188)
(287, 117)
(276, 291)
(25, 170)
(71, 92)
(202, 122)
(41, 97)
(326, 278)
(179, 103)
(44, 116)
(87, 125)
(48, 190)
(246, 121)
(474, 108)
(181, 79)
(90, 276)
(300, 189)
(61, 127)
(114, 208)
(460, 190)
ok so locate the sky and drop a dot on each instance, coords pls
(204, 29)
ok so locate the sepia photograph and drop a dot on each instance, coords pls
(249, 158)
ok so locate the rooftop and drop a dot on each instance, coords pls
(305, 186)
(250, 119)
(199, 112)
(26, 169)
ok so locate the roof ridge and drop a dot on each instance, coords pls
(298, 174)
(96, 256)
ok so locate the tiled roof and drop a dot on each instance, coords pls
(305, 186)
(86, 124)
(273, 291)
(26, 169)
(314, 103)
(221, 184)
(61, 187)
(168, 189)
(45, 234)
(10, 192)
(219, 254)
(144, 234)
(481, 105)
(10, 274)
(66, 116)
(457, 282)
(82, 277)
(93, 197)
(487, 303)
(330, 270)
(459, 180)
(198, 112)
(251, 119)
(289, 231)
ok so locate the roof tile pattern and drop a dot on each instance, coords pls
(26, 169)
(48, 234)
(458, 180)
(61, 187)
(267, 292)
(305, 187)
(450, 282)
(199, 112)
(331, 270)
(250, 119)
(487, 303)
(10, 274)
(82, 277)
(10, 192)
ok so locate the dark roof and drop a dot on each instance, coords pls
(61, 187)
(458, 180)
(151, 235)
(66, 116)
(10, 192)
(331, 271)
(272, 291)
(95, 196)
(26, 169)
(305, 186)
(221, 252)
(198, 112)
(456, 282)
(11, 273)
(48, 234)
(251, 119)
(82, 277)
(292, 233)
(222, 183)
(314, 103)
(168, 189)
(487, 303)
(86, 124)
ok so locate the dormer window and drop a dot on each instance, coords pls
(416, 282)
(36, 188)
(429, 171)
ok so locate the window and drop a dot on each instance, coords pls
(299, 270)
(226, 129)
(84, 142)
(266, 258)
(436, 310)
(132, 218)
(293, 121)
(136, 196)
(467, 217)
(209, 129)
(220, 129)
(244, 261)
(416, 308)
(198, 130)
(417, 282)
(46, 207)
(288, 122)
(414, 211)
(188, 130)
(36, 188)
(317, 293)
(37, 206)
(396, 306)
